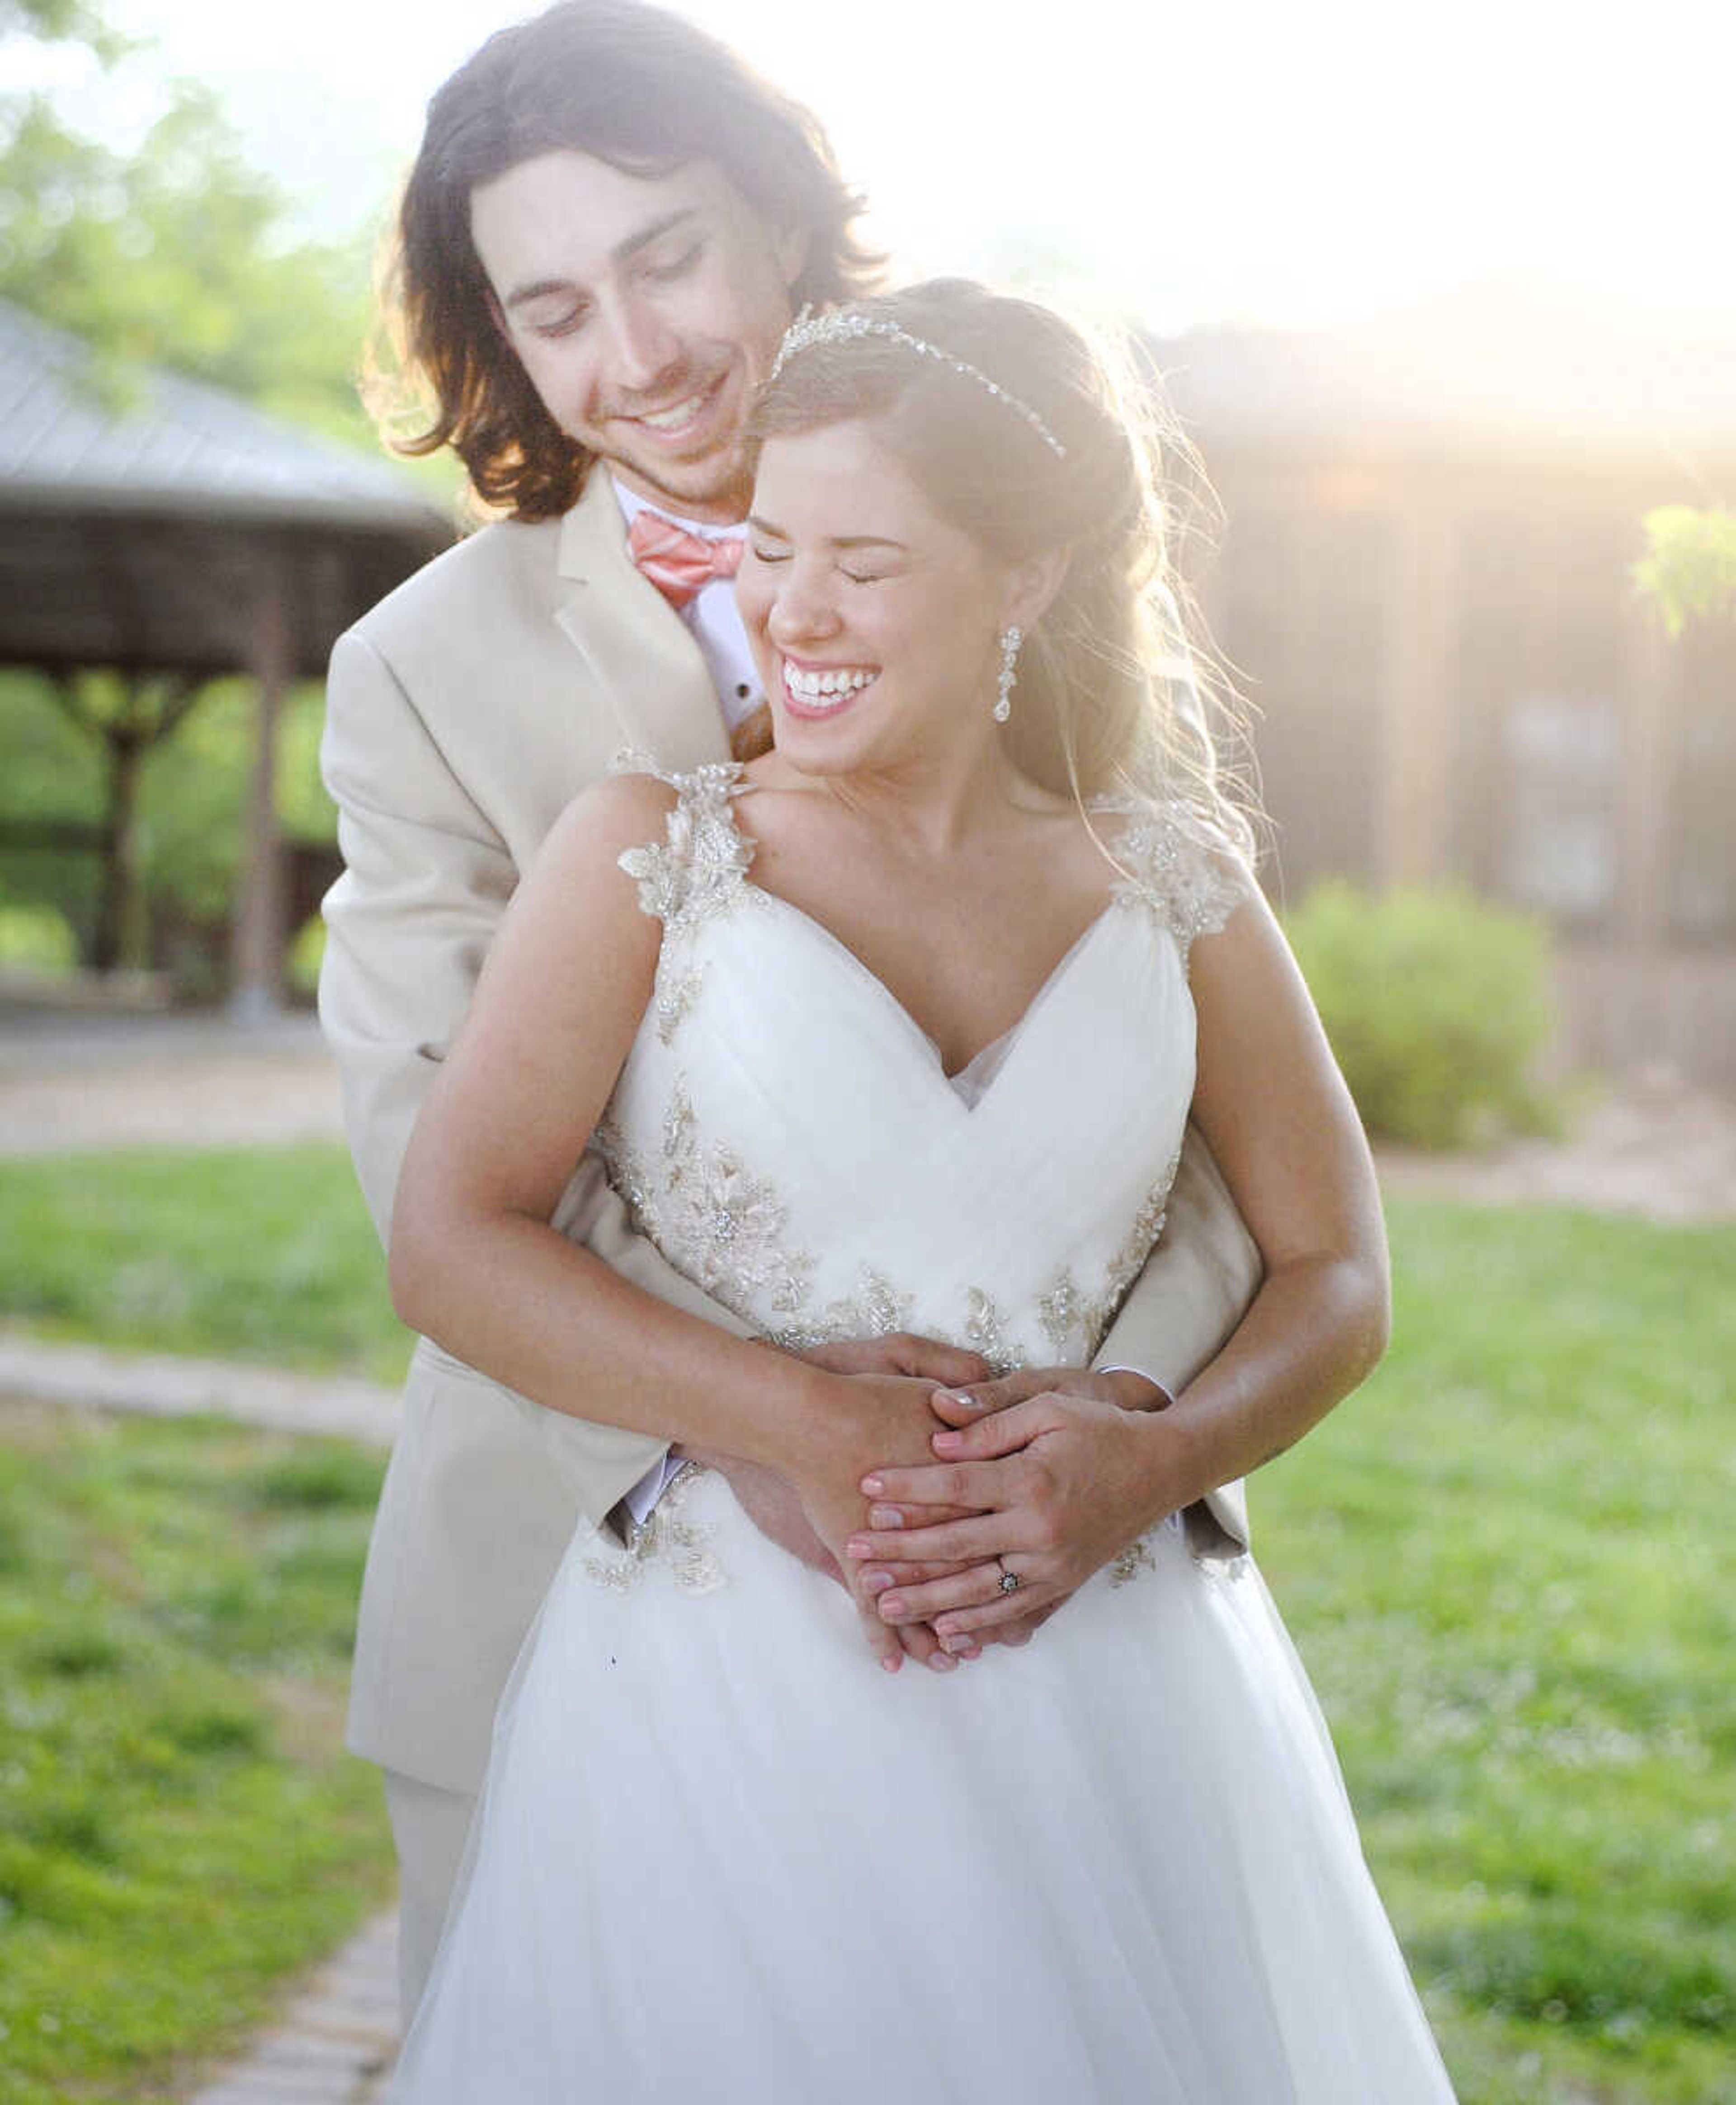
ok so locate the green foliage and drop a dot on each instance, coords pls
(243, 1255)
(38, 939)
(61, 21)
(1507, 1562)
(179, 255)
(1688, 570)
(193, 804)
(1437, 1005)
(1507, 1565)
(180, 1830)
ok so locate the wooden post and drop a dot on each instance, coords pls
(1414, 788)
(260, 937)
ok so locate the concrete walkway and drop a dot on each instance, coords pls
(334, 2040)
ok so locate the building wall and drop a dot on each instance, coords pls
(1456, 680)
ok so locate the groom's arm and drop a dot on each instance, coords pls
(426, 881)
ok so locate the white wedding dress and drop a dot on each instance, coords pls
(721, 1855)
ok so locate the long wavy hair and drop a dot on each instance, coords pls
(629, 84)
(1118, 692)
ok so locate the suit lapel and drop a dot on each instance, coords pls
(639, 650)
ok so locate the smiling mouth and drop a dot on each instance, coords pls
(684, 417)
(823, 690)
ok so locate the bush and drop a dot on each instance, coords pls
(1437, 1005)
(37, 938)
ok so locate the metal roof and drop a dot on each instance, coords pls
(78, 434)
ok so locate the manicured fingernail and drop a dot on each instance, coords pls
(961, 1396)
(942, 1662)
(877, 1582)
(872, 1487)
(856, 1547)
(892, 1606)
(961, 1646)
(948, 1442)
(885, 1517)
(891, 1661)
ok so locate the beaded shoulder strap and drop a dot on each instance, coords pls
(697, 868)
(1177, 864)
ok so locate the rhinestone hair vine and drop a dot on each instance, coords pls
(845, 324)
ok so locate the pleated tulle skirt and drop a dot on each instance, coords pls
(721, 1855)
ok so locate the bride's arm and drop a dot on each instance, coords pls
(476, 1266)
(1075, 1480)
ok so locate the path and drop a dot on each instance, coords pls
(1651, 1146)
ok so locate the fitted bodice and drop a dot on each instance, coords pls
(784, 1131)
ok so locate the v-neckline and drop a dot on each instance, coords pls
(1006, 1039)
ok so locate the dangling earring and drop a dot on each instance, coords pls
(1010, 640)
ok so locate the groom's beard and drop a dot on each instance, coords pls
(716, 474)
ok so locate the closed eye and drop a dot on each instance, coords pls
(676, 266)
(564, 325)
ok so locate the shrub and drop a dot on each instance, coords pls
(1437, 1006)
(38, 938)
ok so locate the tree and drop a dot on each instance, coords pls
(179, 255)
(61, 21)
(1688, 570)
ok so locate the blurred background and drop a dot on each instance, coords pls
(1444, 299)
(1445, 302)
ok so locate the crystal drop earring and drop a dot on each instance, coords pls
(1010, 640)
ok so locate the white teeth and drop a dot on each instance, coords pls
(670, 420)
(810, 686)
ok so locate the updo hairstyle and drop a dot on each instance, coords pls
(1107, 700)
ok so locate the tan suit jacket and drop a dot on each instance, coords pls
(463, 714)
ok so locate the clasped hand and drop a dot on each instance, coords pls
(1045, 1473)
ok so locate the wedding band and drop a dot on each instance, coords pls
(1009, 1579)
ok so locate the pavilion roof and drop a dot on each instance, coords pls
(77, 432)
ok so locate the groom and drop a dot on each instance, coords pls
(610, 225)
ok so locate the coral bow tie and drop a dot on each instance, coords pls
(678, 563)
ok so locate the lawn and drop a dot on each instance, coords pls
(236, 1254)
(179, 1826)
(1507, 1563)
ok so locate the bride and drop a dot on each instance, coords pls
(899, 1028)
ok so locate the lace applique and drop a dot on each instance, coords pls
(1075, 1322)
(1180, 866)
(1134, 1561)
(709, 1216)
(877, 1309)
(985, 1331)
(677, 989)
(698, 869)
(665, 1539)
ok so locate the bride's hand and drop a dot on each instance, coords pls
(1060, 1483)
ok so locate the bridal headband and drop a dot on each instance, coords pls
(845, 324)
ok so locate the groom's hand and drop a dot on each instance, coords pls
(899, 1352)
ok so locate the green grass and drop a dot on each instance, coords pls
(1507, 1563)
(236, 1254)
(179, 1826)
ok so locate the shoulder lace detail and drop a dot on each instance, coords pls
(697, 869)
(1179, 865)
